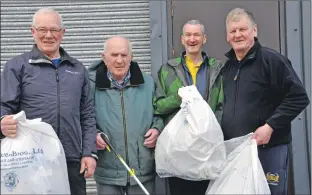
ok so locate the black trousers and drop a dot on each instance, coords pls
(185, 187)
(77, 182)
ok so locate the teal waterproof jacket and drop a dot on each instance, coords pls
(125, 116)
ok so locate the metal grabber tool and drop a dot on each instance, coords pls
(131, 171)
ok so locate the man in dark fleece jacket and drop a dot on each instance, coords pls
(263, 94)
(47, 83)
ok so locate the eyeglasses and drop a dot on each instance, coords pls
(44, 31)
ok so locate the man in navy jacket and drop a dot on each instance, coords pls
(263, 94)
(47, 83)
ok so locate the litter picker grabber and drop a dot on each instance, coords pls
(131, 171)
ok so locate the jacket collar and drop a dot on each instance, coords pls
(102, 81)
(37, 57)
(250, 54)
(183, 56)
(177, 61)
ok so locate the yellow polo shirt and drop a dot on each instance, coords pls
(193, 68)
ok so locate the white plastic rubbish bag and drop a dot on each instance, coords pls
(243, 173)
(191, 145)
(34, 161)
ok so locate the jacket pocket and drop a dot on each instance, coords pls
(146, 161)
(108, 165)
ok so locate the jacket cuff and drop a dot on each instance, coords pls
(271, 123)
(158, 123)
(94, 155)
(157, 128)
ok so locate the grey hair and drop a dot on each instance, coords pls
(195, 22)
(129, 44)
(46, 10)
(237, 13)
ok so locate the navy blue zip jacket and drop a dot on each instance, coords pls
(261, 88)
(60, 96)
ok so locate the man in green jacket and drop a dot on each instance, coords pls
(194, 67)
(123, 99)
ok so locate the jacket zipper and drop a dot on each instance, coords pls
(179, 73)
(236, 79)
(236, 91)
(125, 130)
(236, 75)
(58, 101)
(208, 89)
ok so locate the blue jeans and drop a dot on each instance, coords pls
(275, 164)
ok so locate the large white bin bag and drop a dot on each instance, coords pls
(191, 145)
(34, 161)
(243, 173)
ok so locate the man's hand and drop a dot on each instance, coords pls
(8, 126)
(100, 144)
(263, 134)
(88, 165)
(151, 138)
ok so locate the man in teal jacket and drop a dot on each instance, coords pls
(123, 98)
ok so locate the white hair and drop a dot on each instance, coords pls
(129, 44)
(237, 13)
(195, 22)
(46, 10)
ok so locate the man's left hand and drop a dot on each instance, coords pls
(151, 138)
(87, 166)
(263, 134)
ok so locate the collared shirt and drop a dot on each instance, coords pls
(193, 68)
(56, 61)
(123, 83)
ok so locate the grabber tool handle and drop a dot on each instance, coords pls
(131, 172)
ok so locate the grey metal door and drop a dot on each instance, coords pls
(213, 13)
(275, 19)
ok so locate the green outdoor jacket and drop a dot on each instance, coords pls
(125, 116)
(171, 77)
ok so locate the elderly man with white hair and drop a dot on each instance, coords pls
(123, 100)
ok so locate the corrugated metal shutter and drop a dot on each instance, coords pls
(88, 24)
